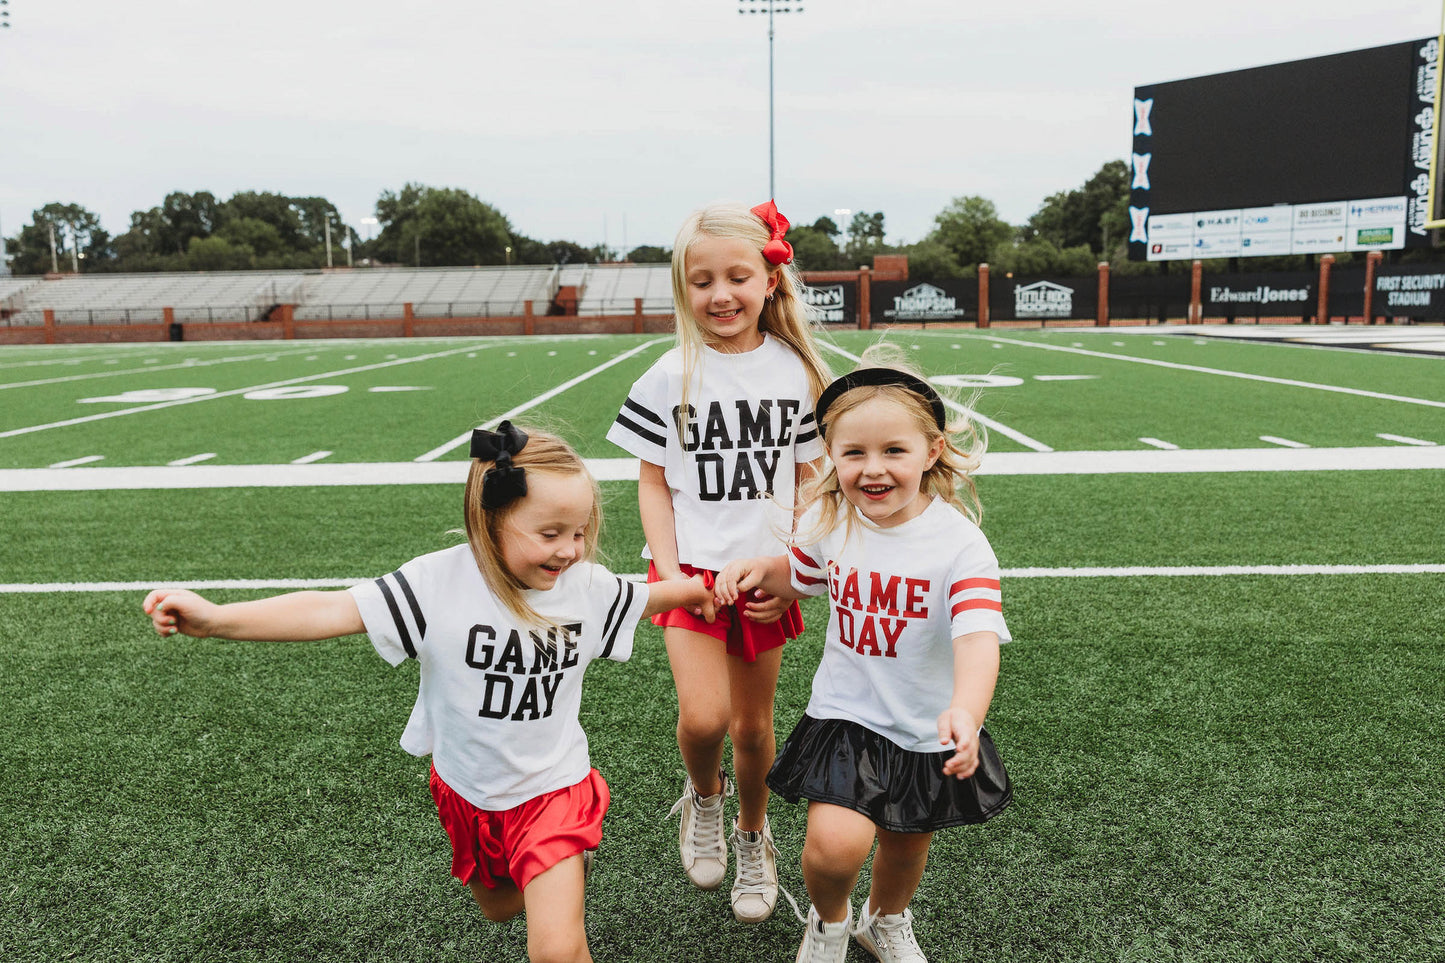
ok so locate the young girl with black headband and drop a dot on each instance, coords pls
(891, 746)
(502, 628)
(723, 424)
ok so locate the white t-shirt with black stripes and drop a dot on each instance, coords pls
(752, 425)
(898, 597)
(498, 702)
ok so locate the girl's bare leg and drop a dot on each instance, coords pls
(837, 845)
(753, 686)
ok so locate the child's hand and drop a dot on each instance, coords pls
(764, 608)
(957, 726)
(704, 606)
(736, 579)
(179, 610)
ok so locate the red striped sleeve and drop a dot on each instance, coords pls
(802, 579)
(800, 556)
(973, 583)
(967, 604)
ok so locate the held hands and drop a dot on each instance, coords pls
(740, 579)
(702, 603)
(179, 610)
(958, 726)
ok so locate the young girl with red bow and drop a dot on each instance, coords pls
(502, 629)
(723, 424)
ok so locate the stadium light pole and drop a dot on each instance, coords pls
(770, 7)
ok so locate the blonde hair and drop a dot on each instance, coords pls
(544, 454)
(784, 315)
(951, 475)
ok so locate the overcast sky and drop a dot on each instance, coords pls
(610, 121)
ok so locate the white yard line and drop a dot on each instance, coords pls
(1131, 571)
(146, 370)
(239, 391)
(72, 463)
(1157, 443)
(1196, 368)
(1403, 439)
(992, 425)
(1282, 442)
(314, 456)
(1137, 461)
(466, 436)
(192, 460)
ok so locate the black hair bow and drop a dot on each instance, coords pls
(504, 482)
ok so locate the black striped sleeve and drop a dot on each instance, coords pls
(402, 631)
(643, 422)
(807, 429)
(617, 615)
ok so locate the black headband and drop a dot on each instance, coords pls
(504, 482)
(877, 377)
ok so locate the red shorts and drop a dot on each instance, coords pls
(519, 843)
(745, 638)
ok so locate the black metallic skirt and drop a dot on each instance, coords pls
(843, 763)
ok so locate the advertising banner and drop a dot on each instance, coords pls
(833, 302)
(1043, 299)
(919, 302)
(1284, 294)
(1413, 291)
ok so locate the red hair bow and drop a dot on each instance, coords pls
(776, 251)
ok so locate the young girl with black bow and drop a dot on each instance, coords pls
(503, 629)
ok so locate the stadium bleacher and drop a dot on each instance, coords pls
(141, 298)
(614, 288)
(432, 292)
(361, 294)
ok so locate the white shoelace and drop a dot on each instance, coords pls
(894, 935)
(752, 864)
(707, 842)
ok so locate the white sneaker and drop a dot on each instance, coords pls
(700, 837)
(889, 938)
(755, 889)
(824, 942)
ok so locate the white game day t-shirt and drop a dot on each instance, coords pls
(498, 702)
(751, 426)
(898, 597)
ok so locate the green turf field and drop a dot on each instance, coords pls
(1232, 765)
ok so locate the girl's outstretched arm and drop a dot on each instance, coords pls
(299, 616)
(693, 594)
(975, 672)
(769, 573)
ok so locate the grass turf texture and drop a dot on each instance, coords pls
(1225, 768)
(1190, 787)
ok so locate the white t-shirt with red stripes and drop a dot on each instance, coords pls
(498, 702)
(898, 598)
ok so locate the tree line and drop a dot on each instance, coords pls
(1070, 233)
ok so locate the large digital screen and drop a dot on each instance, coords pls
(1312, 156)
